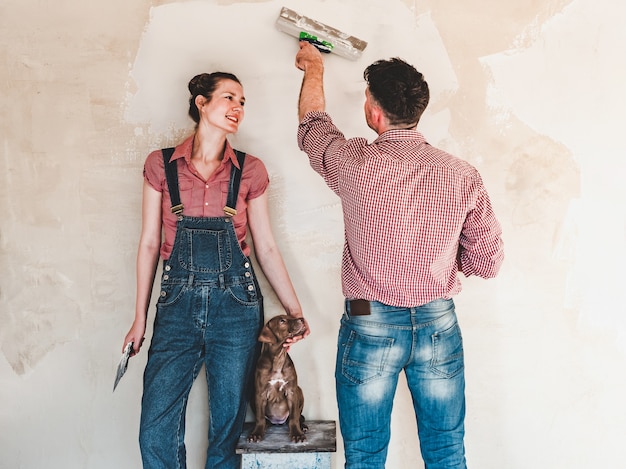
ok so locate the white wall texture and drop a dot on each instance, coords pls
(530, 92)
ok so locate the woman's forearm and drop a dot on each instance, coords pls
(274, 269)
(147, 259)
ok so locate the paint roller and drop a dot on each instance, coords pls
(326, 38)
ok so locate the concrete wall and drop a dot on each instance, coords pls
(530, 92)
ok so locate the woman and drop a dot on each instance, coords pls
(209, 309)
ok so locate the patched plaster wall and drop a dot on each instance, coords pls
(529, 92)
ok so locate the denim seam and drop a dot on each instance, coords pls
(182, 411)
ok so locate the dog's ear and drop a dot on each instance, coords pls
(267, 336)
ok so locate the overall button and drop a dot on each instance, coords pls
(247, 274)
(247, 265)
(168, 268)
(250, 287)
(163, 294)
(166, 277)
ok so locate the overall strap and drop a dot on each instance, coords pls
(171, 174)
(233, 185)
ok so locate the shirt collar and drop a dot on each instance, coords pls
(183, 150)
(400, 135)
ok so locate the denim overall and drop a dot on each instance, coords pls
(209, 311)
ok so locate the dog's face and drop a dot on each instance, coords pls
(280, 328)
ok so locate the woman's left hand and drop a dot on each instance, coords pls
(297, 338)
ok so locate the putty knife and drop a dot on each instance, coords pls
(121, 367)
(324, 37)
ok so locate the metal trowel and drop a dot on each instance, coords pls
(121, 367)
(324, 37)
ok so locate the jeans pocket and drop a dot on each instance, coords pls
(171, 293)
(245, 294)
(364, 356)
(447, 358)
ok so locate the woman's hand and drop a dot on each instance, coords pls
(136, 336)
(289, 342)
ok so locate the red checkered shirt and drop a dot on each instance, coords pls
(408, 209)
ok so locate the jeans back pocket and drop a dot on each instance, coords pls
(448, 352)
(364, 356)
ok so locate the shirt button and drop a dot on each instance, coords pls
(206, 203)
(207, 186)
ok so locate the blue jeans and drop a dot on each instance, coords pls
(372, 350)
(209, 312)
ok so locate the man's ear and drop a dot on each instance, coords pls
(378, 117)
(267, 336)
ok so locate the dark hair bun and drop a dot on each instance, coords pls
(197, 84)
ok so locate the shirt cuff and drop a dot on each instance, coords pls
(314, 115)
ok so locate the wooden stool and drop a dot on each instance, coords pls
(277, 451)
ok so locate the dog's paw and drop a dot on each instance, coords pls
(256, 435)
(298, 437)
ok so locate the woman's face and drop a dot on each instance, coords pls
(225, 110)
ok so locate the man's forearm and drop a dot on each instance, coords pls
(312, 91)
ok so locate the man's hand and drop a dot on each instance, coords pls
(308, 55)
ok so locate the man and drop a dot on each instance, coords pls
(414, 216)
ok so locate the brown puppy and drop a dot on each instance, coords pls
(278, 398)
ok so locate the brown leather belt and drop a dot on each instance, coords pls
(359, 307)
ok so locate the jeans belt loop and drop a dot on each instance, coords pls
(359, 308)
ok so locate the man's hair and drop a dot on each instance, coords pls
(399, 89)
